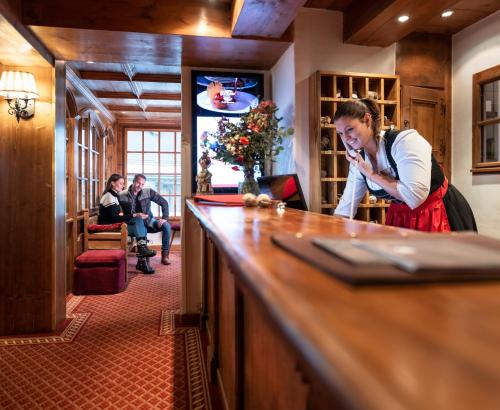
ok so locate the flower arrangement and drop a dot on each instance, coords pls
(255, 137)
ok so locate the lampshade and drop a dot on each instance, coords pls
(18, 84)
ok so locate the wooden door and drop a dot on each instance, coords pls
(424, 109)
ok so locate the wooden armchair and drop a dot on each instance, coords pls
(116, 239)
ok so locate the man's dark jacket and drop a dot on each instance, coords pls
(145, 196)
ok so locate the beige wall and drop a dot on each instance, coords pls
(319, 46)
(283, 94)
(475, 49)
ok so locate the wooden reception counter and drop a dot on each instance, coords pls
(284, 335)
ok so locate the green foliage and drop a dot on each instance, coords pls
(254, 138)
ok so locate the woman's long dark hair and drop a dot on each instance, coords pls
(112, 178)
(357, 109)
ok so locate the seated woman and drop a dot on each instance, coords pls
(110, 212)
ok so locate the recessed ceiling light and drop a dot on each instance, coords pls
(447, 13)
(403, 18)
(123, 112)
(90, 62)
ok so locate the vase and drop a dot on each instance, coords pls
(249, 184)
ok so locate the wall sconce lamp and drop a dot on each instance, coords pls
(19, 89)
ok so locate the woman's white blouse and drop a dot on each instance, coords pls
(412, 154)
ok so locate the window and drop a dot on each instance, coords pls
(88, 166)
(486, 121)
(157, 155)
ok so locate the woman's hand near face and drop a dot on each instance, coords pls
(360, 164)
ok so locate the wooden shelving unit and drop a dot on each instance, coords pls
(329, 167)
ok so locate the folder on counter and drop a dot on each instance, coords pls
(219, 199)
(392, 259)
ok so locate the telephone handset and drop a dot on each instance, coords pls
(352, 152)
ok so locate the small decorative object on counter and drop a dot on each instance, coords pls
(280, 208)
(249, 199)
(264, 201)
(204, 177)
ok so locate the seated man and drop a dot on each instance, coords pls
(110, 212)
(138, 199)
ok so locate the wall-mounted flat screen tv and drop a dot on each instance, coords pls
(237, 94)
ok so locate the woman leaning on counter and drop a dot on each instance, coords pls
(398, 166)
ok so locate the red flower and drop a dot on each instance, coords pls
(244, 140)
(239, 159)
(235, 168)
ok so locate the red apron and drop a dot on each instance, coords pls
(430, 216)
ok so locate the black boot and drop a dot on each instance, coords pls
(144, 266)
(143, 250)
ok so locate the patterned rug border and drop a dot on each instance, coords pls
(72, 304)
(167, 323)
(199, 396)
(66, 336)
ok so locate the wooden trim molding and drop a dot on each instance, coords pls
(82, 88)
(478, 80)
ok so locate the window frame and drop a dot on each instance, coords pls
(86, 128)
(175, 174)
(478, 80)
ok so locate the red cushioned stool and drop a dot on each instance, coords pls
(100, 271)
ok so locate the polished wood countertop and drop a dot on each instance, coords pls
(434, 346)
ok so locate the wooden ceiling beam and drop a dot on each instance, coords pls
(144, 96)
(268, 19)
(164, 109)
(139, 77)
(374, 23)
(192, 17)
(10, 15)
(157, 78)
(123, 95)
(135, 108)
(76, 81)
(161, 96)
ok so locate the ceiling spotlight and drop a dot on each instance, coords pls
(447, 13)
(89, 62)
(403, 18)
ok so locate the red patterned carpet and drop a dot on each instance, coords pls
(122, 353)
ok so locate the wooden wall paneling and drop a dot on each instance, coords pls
(14, 34)
(192, 264)
(158, 17)
(424, 60)
(431, 53)
(227, 372)
(263, 19)
(31, 173)
(211, 290)
(271, 367)
(194, 51)
(375, 23)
